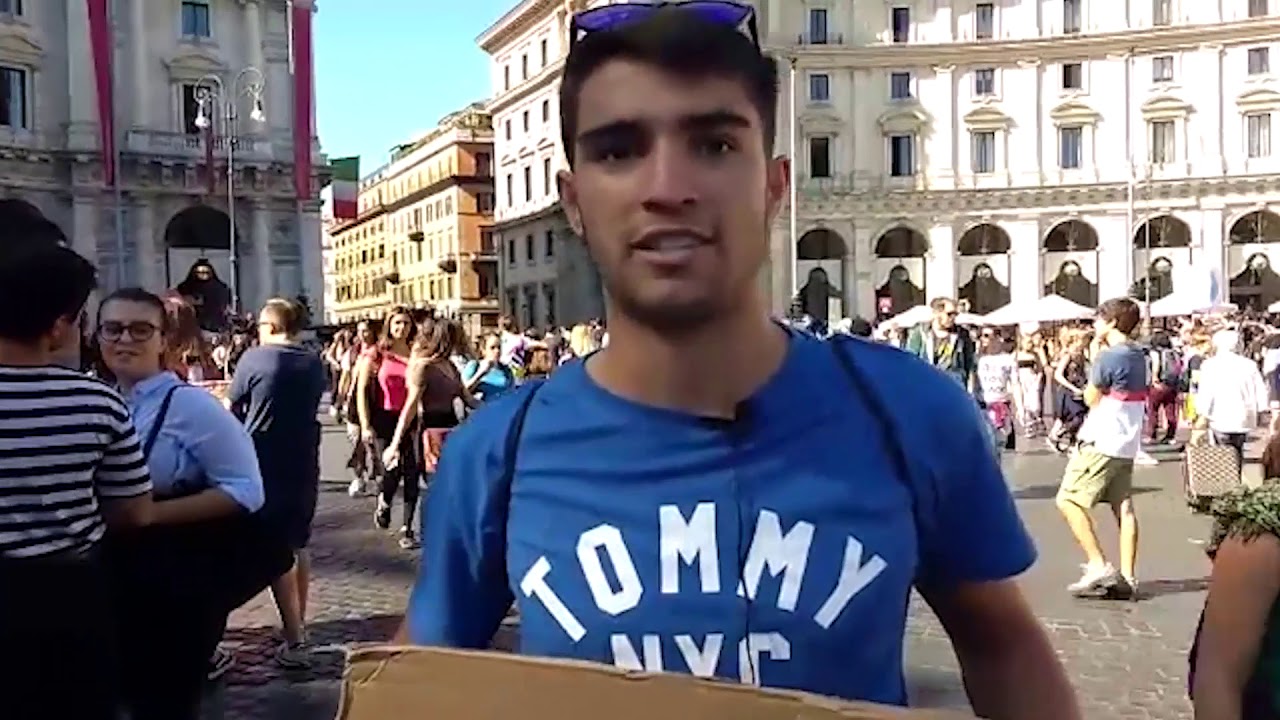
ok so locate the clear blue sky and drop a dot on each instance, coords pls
(387, 70)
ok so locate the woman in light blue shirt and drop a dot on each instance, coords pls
(205, 554)
(488, 377)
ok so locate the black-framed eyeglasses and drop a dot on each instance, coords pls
(613, 17)
(137, 331)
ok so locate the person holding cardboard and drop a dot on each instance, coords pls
(714, 493)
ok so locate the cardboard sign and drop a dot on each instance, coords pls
(383, 683)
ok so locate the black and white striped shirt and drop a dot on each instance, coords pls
(66, 440)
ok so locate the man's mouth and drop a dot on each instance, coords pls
(670, 246)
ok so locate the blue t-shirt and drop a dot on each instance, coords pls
(497, 379)
(777, 549)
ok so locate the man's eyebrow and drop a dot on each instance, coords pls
(696, 121)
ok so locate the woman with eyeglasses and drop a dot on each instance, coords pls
(181, 578)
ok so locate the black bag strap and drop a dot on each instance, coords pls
(161, 414)
(891, 434)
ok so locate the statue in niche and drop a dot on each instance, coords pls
(815, 296)
(210, 296)
(984, 292)
(901, 292)
(1257, 287)
(1071, 284)
(1158, 282)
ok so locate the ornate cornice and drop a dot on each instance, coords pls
(1045, 50)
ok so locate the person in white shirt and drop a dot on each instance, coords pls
(1231, 395)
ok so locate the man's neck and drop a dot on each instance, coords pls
(706, 372)
(16, 354)
(279, 340)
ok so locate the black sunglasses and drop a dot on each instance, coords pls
(612, 17)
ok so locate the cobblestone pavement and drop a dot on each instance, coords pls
(1127, 659)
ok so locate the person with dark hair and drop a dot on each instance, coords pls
(63, 488)
(683, 498)
(276, 391)
(1101, 468)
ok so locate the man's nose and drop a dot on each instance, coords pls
(671, 179)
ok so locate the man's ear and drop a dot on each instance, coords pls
(777, 185)
(569, 200)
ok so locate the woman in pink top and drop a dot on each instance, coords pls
(381, 392)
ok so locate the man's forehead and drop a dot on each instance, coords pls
(626, 91)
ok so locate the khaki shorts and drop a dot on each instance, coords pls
(1092, 478)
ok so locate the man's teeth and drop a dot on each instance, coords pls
(675, 243)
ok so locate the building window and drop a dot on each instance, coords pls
(549, 298)
(511, 251)
(530, 305)
(524, 67)
(484, 164)
(546, 176)
(549, 244)
(528, 249)
(902, 150)
(524, 121)
(984, 82)
(13, 98)
(1259, 61)
(506, 77)
(507, 129)
(899, 86)
(190, 110)
(511, 194)
(984, 21)
(10, 7)
(1258, 132)
(1161, 12)
(542, 51)
(818, 26)
(819, 157)
(1072, 76)
(901, 24)
(1259, 8)
(1071, 147)
(1162, 68)
(195, 19)
(528, 183)
(1071, 16)
(984, 152)
(819, 87)
(1163, 144)
(546, 111)
(484, 202)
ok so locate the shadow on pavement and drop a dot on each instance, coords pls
(1049, 492)
(1160, 588)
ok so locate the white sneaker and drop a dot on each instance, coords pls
(1094, 577)
(356, 488)
(1144, 459)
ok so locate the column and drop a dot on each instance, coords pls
(144, 239)
(940, 151)
(775, 21)
(1209, 252)
(849, 269)
(82, 131)
(312, 270)
(940, 263)
(141, 81)
(1025, 285)
(864, 280)
(84, 220)
(253, 34)
(263, 267)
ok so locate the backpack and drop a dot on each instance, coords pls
(1170, 368)
(858, 380)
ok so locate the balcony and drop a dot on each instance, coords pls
(826, 38)
(31, 140)
(277, 147)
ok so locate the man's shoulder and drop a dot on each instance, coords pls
(487, 428)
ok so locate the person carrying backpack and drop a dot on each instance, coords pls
(1166, 386)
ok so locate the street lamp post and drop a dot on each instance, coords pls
(209, 93)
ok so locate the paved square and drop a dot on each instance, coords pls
(1126, 659)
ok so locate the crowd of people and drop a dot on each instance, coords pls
(701, 489)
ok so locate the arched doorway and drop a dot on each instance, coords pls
(198, 262)
(820, 257)
(1253, 248)
(1069, 262)
(1161, 250)
(983, 267)
(899, 268)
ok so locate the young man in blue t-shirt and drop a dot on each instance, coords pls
(713, 493)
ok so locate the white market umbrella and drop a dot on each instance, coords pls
(923, 313)
(1050, 308)
(1176, 304)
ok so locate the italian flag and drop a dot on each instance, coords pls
(346, 186)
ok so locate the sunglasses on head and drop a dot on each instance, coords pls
(615, 17)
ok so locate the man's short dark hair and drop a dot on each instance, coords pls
(39, 284)
(681, 43)
(1122, 312)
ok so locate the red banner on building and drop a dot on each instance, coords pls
(101, 44)
(300, 62)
